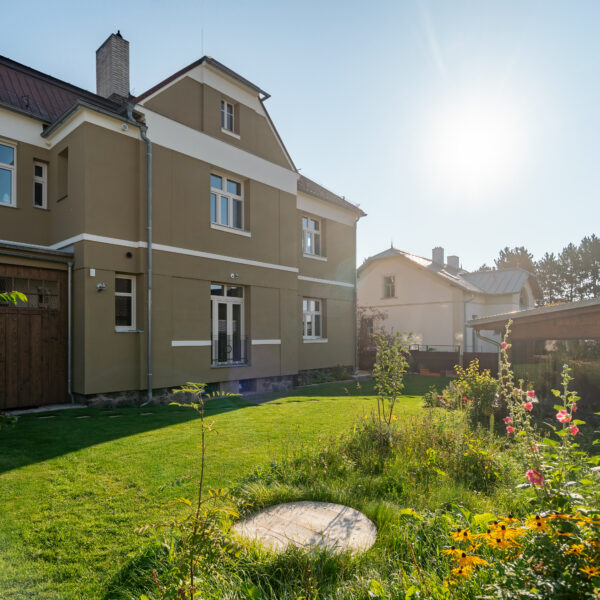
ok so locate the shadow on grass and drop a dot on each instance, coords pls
(41, 436)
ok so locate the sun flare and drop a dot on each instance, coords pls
(477, 143)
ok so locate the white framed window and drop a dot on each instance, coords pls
(40, 184)
(311, 236)
(389, 286)
(124, 302)
(229, 344)
(312, 318)
(8, 174)
(226, 202)
(227, 116)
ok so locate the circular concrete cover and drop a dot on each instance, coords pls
(310, 525)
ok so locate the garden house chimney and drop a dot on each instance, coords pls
(112, 68)
(437, 255)
(454, 262)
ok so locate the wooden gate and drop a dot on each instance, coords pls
(33, 338)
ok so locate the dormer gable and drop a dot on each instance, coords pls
(211, 98)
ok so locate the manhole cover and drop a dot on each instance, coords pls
(310, 525)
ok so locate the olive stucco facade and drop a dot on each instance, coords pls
(252, 276)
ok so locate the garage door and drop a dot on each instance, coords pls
(33, 338)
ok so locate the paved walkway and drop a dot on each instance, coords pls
(310, 525)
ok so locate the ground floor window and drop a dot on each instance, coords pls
(124, 302)
(229, 344)
(312, 318)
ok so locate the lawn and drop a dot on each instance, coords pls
(75, 486)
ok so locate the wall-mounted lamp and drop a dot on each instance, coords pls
(101, 287)
(234, 275)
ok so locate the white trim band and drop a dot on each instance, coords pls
(190, 343)
(327, 281)
(230, 230)
(315, 340)
(265, 342)
(88, 237)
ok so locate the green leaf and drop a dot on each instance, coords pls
(549, 442)
(376, 589)
(251, 591)
(578, 422)
(556, 393)
(412, 513)
(558, 407)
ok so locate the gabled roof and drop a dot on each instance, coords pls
(308, 186)
(503, 281)
(209, 61)
(42, 96)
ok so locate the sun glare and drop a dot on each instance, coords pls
(477, 143)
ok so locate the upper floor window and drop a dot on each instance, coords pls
(8, 180)
(389, 287)
(311, 236)
(40, 184)
(226, 202)
(124, 302)
(227, 116)
(312, 318)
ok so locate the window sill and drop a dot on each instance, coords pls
(8, 205)
(235, 135)
(315, 340)
(230, 365)
(230, 230)
(40, 207)
(315, 256)
(117, 330)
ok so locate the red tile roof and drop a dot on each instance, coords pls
(42, 96)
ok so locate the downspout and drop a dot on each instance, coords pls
(143, 129)
(69, 264)
(145, 138)
(464, 344)
(355, 303)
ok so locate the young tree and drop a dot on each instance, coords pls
(548, 274)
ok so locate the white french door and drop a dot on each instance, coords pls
(227, 319)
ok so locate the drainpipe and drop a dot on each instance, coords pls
(355, 303)
(463, 346)
(69, 264)
(143, 129)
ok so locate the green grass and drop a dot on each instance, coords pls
(72, 490)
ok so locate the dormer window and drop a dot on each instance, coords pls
(227, 116)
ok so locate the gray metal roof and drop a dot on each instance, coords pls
(308, 186)
(503, 281)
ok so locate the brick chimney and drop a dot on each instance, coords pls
(112, 68)
(454, 262)
(437, 255)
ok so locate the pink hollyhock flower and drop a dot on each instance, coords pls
(507, 420)
(465, 399)
(534, 477)
(528, 406)
(439, 397)
(509, 429)
(574, 408)
(574, 430)
(531, 393)
(504, 345)
(520, 391)
(563, 416)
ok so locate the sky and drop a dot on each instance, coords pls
(472, 125)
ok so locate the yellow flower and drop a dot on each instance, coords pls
(591, 571)
(462, 572)
(461, 535)
(576, 549)
(454, 552)
(538, 523)
(470, 561)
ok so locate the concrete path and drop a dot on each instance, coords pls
(310, 525)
